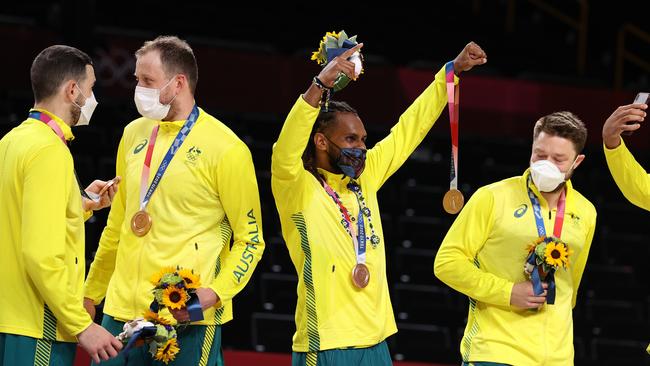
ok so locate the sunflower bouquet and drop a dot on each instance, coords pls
(333, 44)
(175, 288)
(545, 256)
(157, 333)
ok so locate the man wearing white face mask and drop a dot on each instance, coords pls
(42, 221)
(147, 101)
(82, 116)
(190, 187)
(484, 252)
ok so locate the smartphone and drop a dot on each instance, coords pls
(641, 98)
(96, 197)
(111, 182)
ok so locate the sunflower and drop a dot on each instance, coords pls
(155, 318)
(168, 351)
(174, 297)
(156, 277)
(320, 56)
(556, 254)
(532, 246)
(192, 281)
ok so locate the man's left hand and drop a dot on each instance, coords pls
(207, 297)
(469, 57)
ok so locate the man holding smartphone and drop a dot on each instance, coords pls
(629, 175)
(42, 221)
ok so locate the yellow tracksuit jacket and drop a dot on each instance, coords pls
(41, 235)
(629, 175)
(207, 195)
(331, 312)
(483, 256)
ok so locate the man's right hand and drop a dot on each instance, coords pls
(472, 55)
(99, 343)
(330, 72)
(90, 307)
(523, 296)
(339, 64)
(624, 118)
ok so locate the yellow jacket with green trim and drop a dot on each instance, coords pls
(331, 312)
(42, 235)
(483, 256)
(207, 196)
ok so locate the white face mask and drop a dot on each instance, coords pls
(147, 100)
(87, 109)
(547, 176)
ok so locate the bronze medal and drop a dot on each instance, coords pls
(360, 275)
(453, 201)
(141, 223)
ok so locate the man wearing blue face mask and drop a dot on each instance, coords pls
(513, 320)
(325, 186)
(190, 188)
(42, 221)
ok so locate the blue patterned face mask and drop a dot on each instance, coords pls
(351, 160)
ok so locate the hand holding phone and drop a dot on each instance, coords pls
(110, 183)
(97, 196)
(641, 98)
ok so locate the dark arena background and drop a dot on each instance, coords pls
(587, 57)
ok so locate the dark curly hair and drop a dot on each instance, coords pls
(324, 121)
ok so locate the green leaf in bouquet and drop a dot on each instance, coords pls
(331, 42)
(353, 39)
(341, 82)
(158, 295)
(153, 348)
(171, 278)
(162, 334)
(540, 250)
(342, 38)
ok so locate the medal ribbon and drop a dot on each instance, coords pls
(176, 144)
(453, 103)
(541, 231)
(43, 117)
(359, 240)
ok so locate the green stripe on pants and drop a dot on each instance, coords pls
(16, 350)
(376, 355)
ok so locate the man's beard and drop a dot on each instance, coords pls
(75, 113)
(561, 186)
(333, 159)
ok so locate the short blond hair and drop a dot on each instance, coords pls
(176, 56)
